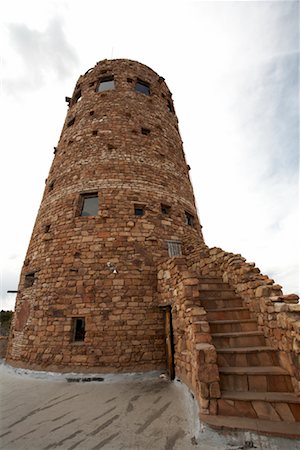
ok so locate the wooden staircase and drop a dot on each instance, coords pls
(256, 392)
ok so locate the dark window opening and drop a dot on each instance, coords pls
(163, 95)
(77, 96)
(89, 205)
(129, 80)
(92, 113)
(29, 279)
(174, 248)
(79, 329)
(139, 210)
(71, 122)
(145, 131)
(95, 132)
(165, 209)
(189, 219)
(47, 228)
(170, 106)
(92, 83)
(143, 87)
(106, 84)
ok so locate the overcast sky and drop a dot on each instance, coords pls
(233, 69)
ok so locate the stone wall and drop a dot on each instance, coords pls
(195, 356)
(278, 315)
(124, 147)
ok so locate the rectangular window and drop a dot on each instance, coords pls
(89, 204)
(77, 96)
(145, 131)
(71, 122)
(165, 209)
(106, 84)
(143, 87)
(189, 219)
(174, 248)
(139, 210)
(29, 279)
(78, 329)
(170, 106)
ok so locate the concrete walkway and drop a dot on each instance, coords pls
(135, 412)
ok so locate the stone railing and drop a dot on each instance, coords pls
(278, 315)
(195, 356)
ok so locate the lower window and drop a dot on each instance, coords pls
(174, 248)
(78, 329)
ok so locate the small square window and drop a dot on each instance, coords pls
(89, 205)
(139, 210)
(71, 122)
(78, 329)
(145, 131)
(129, 80)
(174, 248)
(143, 87)
(95, 132)
(29, 279)
(189, 219)
(47, 228)
(165, 209)
(106, 84)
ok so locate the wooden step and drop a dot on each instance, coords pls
(273, 397)
(223, 326)
(247, 356)
(284, 429)
(257, 379)
(228, 313)
(216, 303)
(238, 339)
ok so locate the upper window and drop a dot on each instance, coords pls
(89, 205)
(165, 209)
(189, 219)
(143, 87)
(77, 96)
(106, 84)
(139, 210)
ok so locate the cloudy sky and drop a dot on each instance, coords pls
(233, 70)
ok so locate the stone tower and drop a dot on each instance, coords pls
(117, 276)
(117, 201)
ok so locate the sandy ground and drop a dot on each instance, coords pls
(41, 411)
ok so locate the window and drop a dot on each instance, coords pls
(174, 248)
(139, 210)
(170, 106)
(106, 84)
(189, 219)
(29, 279)
(71, 122)
(47, 228)
(145, 131)
(143, 87)
(77, 96)
(89, 205)
(51, 186)
(78, 329)
(165, 209)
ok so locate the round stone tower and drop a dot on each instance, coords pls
(117, 201)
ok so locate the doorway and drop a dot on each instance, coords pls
(169, 341)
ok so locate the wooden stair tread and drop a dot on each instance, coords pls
(221, 322)
(287, 429)
(234, 308)
(278, 397)
(238, 334)
(246, 349)
(254, 370)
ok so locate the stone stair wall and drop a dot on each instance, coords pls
(195, 355)
(278, 315)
